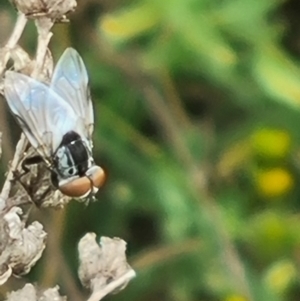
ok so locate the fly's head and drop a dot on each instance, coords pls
(86, 185)
(74, 172)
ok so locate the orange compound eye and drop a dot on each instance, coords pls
(81, 187)
(96, 175)
(76, 188)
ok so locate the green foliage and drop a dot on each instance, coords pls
(182, 88)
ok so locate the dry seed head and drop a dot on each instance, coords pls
(24, 245)
(53, 9)
(33, 293)
(101, 264)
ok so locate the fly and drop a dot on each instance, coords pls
(58, 121)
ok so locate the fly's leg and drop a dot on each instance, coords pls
(54, 179)
(27, 162)
(25, 170)
(38, 201)
(90, 197)
(30, 161)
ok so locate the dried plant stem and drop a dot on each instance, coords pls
(68, 280)
(173, 99)
(13, 40)
(18, 30)
(7, 184)
(98, 295)
(44, 26)
(54, 224)
(6, 145)
(162, 254)
(56, 265)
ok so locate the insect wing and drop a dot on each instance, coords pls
(70, 81)
(42, 114)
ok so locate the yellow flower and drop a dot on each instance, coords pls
(129, 23)
(280, 276)
(274, 182)
(271, 143)
(235, 297)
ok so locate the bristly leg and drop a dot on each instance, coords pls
(30, 161)
(25, 163)
(25, 170)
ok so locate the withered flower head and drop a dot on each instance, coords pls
(103, 267)
(53, 9)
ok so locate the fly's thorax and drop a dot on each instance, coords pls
(72, 158)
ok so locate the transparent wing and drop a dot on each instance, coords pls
(70, 81)
(42, 114)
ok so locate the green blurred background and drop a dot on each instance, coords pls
(197, 125)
